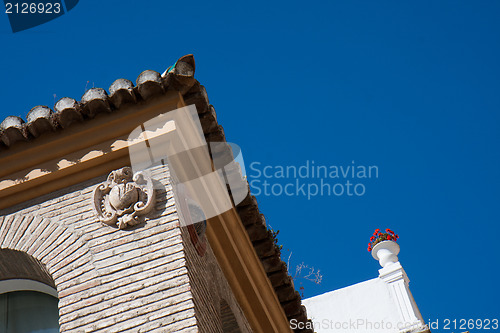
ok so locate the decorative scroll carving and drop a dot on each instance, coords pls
(124, 199)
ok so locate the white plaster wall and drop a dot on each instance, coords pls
(364, 307)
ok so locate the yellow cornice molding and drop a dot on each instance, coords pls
(65, 158)
(246, 276)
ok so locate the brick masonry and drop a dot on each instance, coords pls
(215, 307)
(145, 279)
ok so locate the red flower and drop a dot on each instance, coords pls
(382, 236)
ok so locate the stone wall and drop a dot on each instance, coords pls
(141, 279)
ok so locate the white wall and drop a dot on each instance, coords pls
(370, 306)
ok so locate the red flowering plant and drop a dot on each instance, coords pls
(379, 236)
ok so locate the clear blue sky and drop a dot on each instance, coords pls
(411, 87)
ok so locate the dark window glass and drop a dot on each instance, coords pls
(28, 312)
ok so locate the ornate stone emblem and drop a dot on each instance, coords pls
(124, 199)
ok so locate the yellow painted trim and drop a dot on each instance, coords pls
(245, 274)
(31, 169)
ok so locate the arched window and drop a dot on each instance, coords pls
(28, 299)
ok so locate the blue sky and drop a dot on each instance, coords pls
(411, 87)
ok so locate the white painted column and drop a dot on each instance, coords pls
(395, 276)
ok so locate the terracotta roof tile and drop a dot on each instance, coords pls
(39, 120)
(13, 129)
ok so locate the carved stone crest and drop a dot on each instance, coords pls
(124, 199)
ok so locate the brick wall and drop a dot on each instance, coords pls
(144, 279)
(212, 295)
